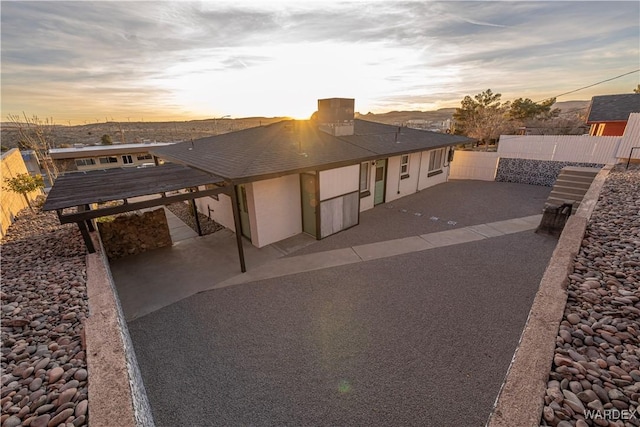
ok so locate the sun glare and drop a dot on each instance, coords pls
(283, 80)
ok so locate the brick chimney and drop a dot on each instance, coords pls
(335, 116)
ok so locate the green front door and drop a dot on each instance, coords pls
(378, 191)
(309, 203)
(244, 211)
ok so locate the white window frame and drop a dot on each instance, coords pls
(365, 167)
(127, 159)
(436, 161)
(107, 160)
(404, 166)
(85, 162)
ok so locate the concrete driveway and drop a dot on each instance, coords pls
(423, 338)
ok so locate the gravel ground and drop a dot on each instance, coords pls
(182, 211)
(595, 376)
(44, 302)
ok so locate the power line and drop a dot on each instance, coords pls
(592, 85)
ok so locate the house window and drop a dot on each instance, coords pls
(126, 159)
(364, 179)
(436, 158)
(85, 162)
(144, 157)
(105, 160)
(404, 166)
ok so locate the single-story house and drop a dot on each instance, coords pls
(314, 176)
(94, 157)
(608, 114)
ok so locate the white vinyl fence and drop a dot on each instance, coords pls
(560, 148)
(630, 139)
(474, 165)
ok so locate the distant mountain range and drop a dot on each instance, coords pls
(128, 132)
(399, 117)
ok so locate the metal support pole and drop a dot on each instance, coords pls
(195, 216)
(86, 236)
(238, 226)
(630, 155)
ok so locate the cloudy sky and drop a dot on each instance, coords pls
(81, 62)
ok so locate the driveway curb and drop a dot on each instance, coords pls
(520, 400)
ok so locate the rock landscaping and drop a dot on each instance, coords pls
(134, 233)
(183, 211)
(595, 375)
(44, 303)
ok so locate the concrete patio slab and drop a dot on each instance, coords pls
(391, 247)
(155, 279)
(287, 266)
(485, 230)
(177, 228)
(516, 225)
(452, 237)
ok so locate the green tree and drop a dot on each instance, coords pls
(106, 139)
(483, 117)
(526, 109)
(24, 184)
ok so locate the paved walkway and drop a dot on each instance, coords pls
(384, 249)
(177, 228)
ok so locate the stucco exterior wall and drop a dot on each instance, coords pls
(221, 210)
(119, 164)
(275, 209)
(397, 187)
(335, 182)
(11, 165)
(426, 181)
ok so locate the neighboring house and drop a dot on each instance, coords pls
(608, 114)
(92, 157)
(31, 161)
(314, 176)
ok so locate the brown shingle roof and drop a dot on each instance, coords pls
(292, 146)
(96, 186)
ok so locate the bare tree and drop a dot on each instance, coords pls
(37, 135)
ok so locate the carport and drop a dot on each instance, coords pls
(73, 195)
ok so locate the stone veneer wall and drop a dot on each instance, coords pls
(536, 172)
(134, 234)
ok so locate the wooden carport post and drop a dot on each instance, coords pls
(84, 227)
(238, 226)
(86, 236)
(195, 216)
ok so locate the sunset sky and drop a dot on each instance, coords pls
(78, 62)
